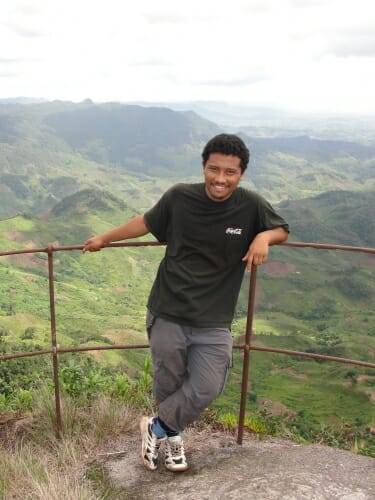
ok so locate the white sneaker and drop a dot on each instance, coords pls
(175, 460)
(150, 444)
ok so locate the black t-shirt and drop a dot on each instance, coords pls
(199, 278)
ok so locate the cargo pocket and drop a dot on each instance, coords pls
(150, 320)
(226, 375)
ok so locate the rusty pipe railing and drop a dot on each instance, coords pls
(55, 359)
(247, 347)
(246, 352)
(296, 244)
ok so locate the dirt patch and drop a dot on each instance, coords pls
(290, 371)
(26, 317)
(31, 279)
(279, 269)
(125, 336)
(365, 262)
(26, 260)
(62, 298)
(276, 408)
(335, 182)
(98, 355)
(347, 383)
(267, 469)
(20, 237)
(12, 425)
(363, 378)
(15, 235)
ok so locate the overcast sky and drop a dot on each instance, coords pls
(308, 55)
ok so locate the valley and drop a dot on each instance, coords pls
(67, 173)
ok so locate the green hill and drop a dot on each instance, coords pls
(307, 300)
(66, 187)
(87, 201)
(51, 150)
(340, 217)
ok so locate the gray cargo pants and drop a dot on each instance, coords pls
(190, 368)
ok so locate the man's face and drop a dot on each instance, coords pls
(222, 174)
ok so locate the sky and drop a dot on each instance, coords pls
(298, 55)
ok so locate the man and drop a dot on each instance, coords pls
(213, 231)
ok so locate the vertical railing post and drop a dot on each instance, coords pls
(55, 360)
(246, 355)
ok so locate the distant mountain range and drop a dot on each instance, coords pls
(50, 150)
(22, 100)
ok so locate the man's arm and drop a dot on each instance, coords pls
(259, 248)
(133, 229)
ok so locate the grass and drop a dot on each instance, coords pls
(98, 409)
(301, 397)
(33, 464)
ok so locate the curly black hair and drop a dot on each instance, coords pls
(227, 144)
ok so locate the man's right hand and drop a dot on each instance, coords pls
(94, 244)
(132, 229)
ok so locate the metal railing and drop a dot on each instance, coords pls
(55, 351)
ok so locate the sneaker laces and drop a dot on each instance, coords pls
(153, 442)
(150, 444)
(175, 448)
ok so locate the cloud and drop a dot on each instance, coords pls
(236, 82)
(10, 66)
(8, 74)
(32, 8)
(26, 18)
(11, 60)
(361, 44)
(151, 62)
(170, 12)
(309, 3)
(23, 30)
(350, 37)
(302, 52)
(165, 17)
(256, 6)
(170, 17)
(358, 50)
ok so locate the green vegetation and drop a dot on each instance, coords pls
(62, 184)
(100, 299)
(33, 464)
(52, 150)
(99, 407)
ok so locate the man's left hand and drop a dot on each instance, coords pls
(258, 251)
(259, 248)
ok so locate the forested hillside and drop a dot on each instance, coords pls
(341, 217)
(50, 150)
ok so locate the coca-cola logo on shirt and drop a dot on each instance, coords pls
(233, 230)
